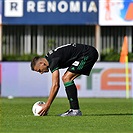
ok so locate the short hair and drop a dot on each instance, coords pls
(34, 62)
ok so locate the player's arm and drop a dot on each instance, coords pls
(53, 92)
(54, 88)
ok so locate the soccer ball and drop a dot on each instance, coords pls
(36, 108)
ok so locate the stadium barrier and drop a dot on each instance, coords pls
(106, 80)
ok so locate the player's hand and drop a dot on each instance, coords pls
(44, 110)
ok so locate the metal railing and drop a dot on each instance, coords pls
(20, 40)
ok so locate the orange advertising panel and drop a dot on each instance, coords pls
(114, 79)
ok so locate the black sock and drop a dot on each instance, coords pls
(71, 91)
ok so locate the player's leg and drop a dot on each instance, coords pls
(71, 91)
(82, 65)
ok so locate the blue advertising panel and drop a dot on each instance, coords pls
(0, 12)
(38, 12)
(115, 12)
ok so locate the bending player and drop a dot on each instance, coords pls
(79, 59)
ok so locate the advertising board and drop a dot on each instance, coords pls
(36, 12)
(106, 80)
(116, 12)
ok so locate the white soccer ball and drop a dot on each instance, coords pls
(36, 108)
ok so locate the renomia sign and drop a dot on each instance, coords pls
(62, 6)
(50, 12)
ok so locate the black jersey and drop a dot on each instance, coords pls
(65, 55)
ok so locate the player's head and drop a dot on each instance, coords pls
(34, 62)
(39, 64)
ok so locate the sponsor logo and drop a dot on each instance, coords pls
(114, 79)
(61, 6)
(15, 8)
(76, 63)
(108, 79)
(127, 11)
(115, 12)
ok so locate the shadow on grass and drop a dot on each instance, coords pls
(120, 114)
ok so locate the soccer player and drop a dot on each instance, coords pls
(79, 59)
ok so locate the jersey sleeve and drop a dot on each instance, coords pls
(54, 65)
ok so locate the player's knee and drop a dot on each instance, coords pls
(65, 78)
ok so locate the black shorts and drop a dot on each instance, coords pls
(84, 64)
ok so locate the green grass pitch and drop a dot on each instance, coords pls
(99, 116)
